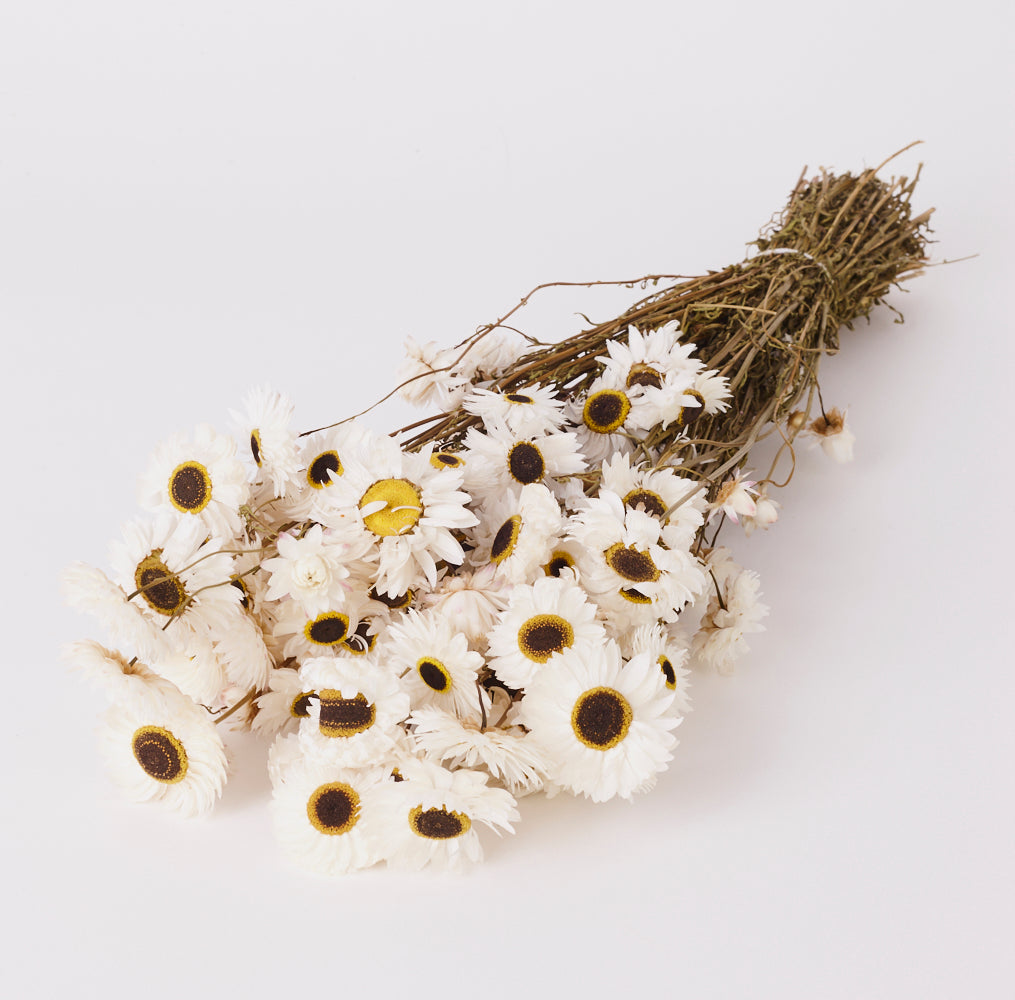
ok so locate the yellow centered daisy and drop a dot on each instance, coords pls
(634, 596)
(668, 672)
(438, 824)
(327, 629)
(543, 635)
(650, 502)
(606, 410)
(525, 463)
(344, 717)
(160, 754)
(688, 414)
(359, 642)
(323, 468)
(398, 603)
(404, 507)
(255, 446)
(333, 808)
(559, 561)
(190, 488)
(434, 674)
(641, 374)
(299, 708)
(601, 718)
(446, 460)
(628, 562)
(161, 588)
(506, 539)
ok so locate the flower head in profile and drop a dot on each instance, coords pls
(835, 438)
(735, 498)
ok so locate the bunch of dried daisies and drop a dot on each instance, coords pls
(505, 602)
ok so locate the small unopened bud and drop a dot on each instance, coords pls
(796, 420)
(835, 437)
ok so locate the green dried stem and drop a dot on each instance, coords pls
(832, 255)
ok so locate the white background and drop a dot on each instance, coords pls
(199, 197)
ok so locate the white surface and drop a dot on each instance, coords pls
(199, 197)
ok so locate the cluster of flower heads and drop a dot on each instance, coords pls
(424, 636)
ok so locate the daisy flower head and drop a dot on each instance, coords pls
(326, 633)
(286, 702)
(734, 611)
(470, 602)
(198, 478)
(530, 411)
(712, 390)
(430, 817)
(322, 815)
(655, 367)
(624, 565)
(673, 499)
(166, 750)
(427, 377)
(669, 652)
(409, 508)
(314, 568)
(356, 716)
(499, 460)
(735, 499)
(175, 574)
(606, 726)
(265, 425)
(507, 753)
(435, 664)
(542, 620)
(607, 418)
(517, 532)
(322, 459)
(835, 438)
(120, 679)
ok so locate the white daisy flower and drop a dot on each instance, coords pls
(304, 636)
(673, 499)
(172, 573)
(355, 718)
(670, 654)
(624, 565)
(430, 816)
(435, 664)
(168, 752)
(314, 569)
(507, 753)
(835, 437)
(243, 654)
(607, 418)
(199, 479)
(655, 368)
(193, 665)
(606, 726)
(542, 621)
(323, 457)
(427, 377)
(498, 460)
(517, 532)
(713, 392)
(733, 611)
(408, 507)
(470, 602)
(530, 411)
(265, 423)
(322, 816)
(283, 705)
(121, 680)
(735, 499)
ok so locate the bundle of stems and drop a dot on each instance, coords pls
(841, 243)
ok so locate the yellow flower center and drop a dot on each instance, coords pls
(403, 507)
